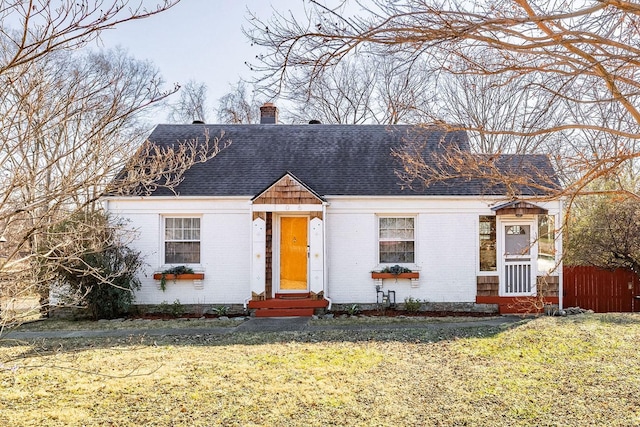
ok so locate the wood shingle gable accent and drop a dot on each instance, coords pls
(519, 208)
(288, 190)
(488, 286)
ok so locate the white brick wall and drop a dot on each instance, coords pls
(445, 256)
(446, 247)
(225, 245)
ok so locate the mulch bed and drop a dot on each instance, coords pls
(370, 313)
(169, 316)
(397, 313)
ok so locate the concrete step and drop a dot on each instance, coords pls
(284, 312)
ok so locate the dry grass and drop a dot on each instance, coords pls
(120, 324)
(576, 371)
(18, 310)
(91, 325)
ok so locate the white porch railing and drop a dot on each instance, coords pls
(517, 277)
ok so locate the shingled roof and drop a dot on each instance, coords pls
(353, 160)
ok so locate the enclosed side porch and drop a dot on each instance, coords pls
(519, 265)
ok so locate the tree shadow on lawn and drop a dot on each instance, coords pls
(618, 318)
(416, 335)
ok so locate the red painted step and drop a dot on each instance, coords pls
(284, 312)
(292, 295)
(285, 304)
(288, 303)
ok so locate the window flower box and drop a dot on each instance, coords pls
(379, 275)
(395, 272)
(176, 273)
(184, 276)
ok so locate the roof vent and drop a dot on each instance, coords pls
(197, 122)
(315, 122)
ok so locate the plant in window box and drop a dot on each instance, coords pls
(395, 272)
(179, 272)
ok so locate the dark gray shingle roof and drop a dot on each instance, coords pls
(331, 159)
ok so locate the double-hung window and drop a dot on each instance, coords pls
(182, 240)
(396, 240)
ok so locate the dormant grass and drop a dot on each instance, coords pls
(576, 371)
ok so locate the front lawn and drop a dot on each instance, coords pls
(576, 371)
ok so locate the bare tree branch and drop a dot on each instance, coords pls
(568, 72)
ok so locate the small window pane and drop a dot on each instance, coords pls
(396, 252)
(182, 253)
(487, 236)
(517, 240)
(406, 234)
(546, 243)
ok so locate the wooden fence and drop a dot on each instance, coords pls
(600, 290)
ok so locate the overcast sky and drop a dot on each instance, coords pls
(198, 39)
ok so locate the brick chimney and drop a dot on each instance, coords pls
(268, 114)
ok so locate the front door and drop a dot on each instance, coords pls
(519, 249)
(293, 253)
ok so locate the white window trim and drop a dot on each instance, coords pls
(163, 224)
(506, 221)
(480, 272)
(411, 265)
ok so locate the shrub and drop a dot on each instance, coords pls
(353, 309)
(412, 305)
(177, 309)
(86, 256)
(223, 310)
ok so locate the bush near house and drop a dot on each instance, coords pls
(85, 256)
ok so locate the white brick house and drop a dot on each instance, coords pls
(313, 210)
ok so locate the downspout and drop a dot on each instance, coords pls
(561, 253)
(325, 278)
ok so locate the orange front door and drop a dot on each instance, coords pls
(293, 253)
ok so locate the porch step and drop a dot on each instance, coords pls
(292, 295)
(286, 305)
(284, 312)
(289, 303)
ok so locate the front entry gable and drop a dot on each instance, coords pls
(519, 208)
(288, 190)
(288, 260)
